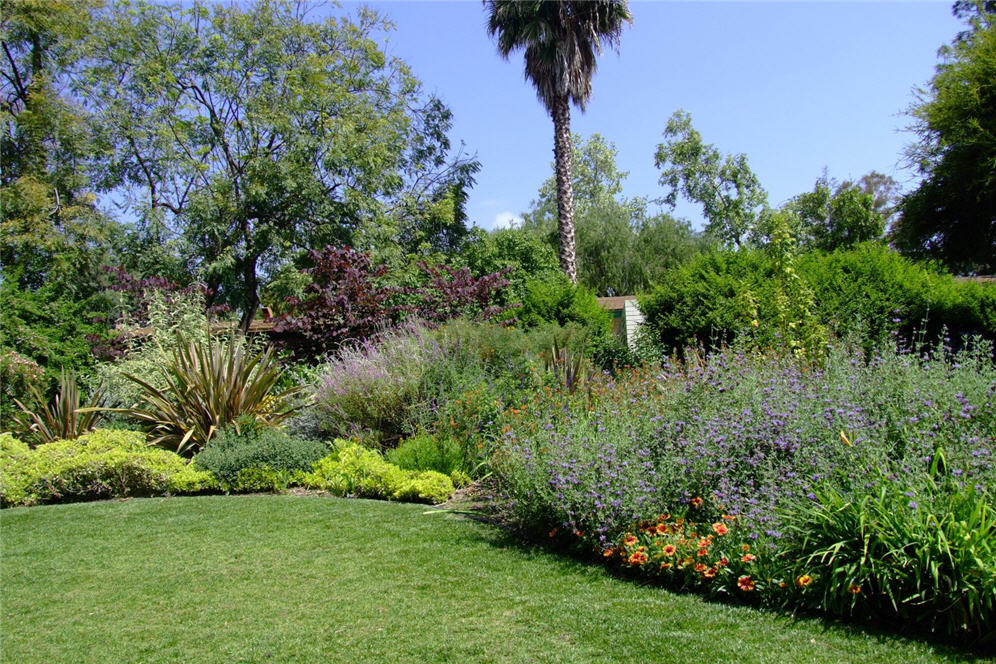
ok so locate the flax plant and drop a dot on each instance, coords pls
(62, 418)
(211, 384)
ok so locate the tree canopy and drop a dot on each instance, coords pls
(731, 196)
(256, 133)
(951, 215)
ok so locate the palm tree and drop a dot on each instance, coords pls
(561, 39)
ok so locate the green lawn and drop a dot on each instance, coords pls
(315, 579)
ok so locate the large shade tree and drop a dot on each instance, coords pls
(560, 40)
(255, 131)
(951, 215)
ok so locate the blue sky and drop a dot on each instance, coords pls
(797, 86)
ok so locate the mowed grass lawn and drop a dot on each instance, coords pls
(317, 579)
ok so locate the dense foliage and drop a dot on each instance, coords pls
(101, 464)
(951, 215)
(238, 459)
(758, 438)
(868, 290)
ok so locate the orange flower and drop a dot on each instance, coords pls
(703, 552)
(661, 529)
(669, 549)
(553, 532)
(720, 528)
(803, 580)
(710, 573)
(608, 553)
(666, 565)
(697, 502)
(748, 558)
(638, 558)
(700, 567)
(745, 547)
(854, 589)
(729, 517)
(781, 584)
(745, 583)
(705, 542)
(723, 562)
(630, 540)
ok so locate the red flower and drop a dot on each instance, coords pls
(720, 528)
(745, 583)
(697, 502)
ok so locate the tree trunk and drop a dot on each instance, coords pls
(562, 153)
(252, 294)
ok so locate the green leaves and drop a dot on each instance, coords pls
(928, 557)
(211, 384)
(60, 419)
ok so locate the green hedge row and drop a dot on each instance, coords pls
(869, 290)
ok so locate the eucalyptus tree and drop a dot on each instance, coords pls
(560, 40)
(732, 198)
(257, 131)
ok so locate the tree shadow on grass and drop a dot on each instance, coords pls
(572, 560)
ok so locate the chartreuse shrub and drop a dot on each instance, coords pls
(100, 464)
(258, 458)
(354, 470)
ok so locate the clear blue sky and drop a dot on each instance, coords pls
(797, 86)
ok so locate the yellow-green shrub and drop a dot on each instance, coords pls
(102, 464)
(355, 470)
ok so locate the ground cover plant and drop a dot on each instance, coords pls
(767, 442)
(100, 464)
(310, 579)
(120, 464)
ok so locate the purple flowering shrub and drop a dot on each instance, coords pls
(746, 432)
(773, 443)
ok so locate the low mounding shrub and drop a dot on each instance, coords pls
(101, 464)
(428, 452)
(354, 470)
(258, 459)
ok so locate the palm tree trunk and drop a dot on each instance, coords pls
(565, 188)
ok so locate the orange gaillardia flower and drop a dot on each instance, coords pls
(630, 540)
(710, 573)
(700, 567)
(854, 589)
(697, 502)
(669, 549)
(803, 580)
(638, 558)
(720, 528)
(745, 583)
(748, 558)
(703, 552)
